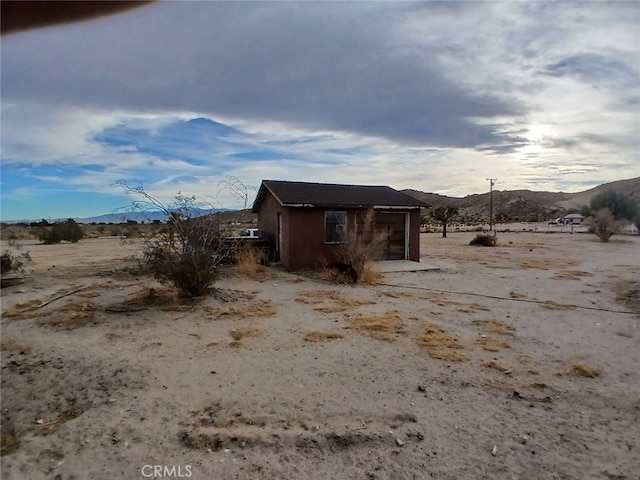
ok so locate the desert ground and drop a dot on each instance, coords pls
(520, 361)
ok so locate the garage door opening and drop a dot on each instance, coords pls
(395, 227)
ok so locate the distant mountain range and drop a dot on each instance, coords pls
(123, 217)
(524, 205)
(508, 205)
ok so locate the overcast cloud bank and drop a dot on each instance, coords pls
(432, 96)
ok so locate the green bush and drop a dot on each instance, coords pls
(484, 240)
(69, 231)
(10, 263)
(621, 205)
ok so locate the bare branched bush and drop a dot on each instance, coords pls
(605, 224)
(187, 251)
(363, 244)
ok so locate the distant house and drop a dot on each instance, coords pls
(573, 219)
(304, 221)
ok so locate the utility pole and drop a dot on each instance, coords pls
(491, 182)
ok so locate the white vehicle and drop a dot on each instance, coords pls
(250, 233)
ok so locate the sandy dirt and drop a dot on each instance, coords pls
(515, 362)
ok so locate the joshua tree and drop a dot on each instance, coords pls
(444, 215)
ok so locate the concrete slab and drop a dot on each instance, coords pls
(388, 266)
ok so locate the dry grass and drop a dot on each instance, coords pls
(628, 293)
(474, 307)
(239, 333)
(72, 315)
(551, 305)
(582, 369)
(322, 336)
(146, 298)
(439, 299)
(537, 385)
(397, 294)
(546, 264)
(535, 263)
(498, 366)
(248, 260)
(495, 326)
(9, 345)
(51, 425)
(22, 310)
(331, 301)
(491, 344)
(381, 327)
(9, 441)
(440, 344)
(571, 275)
(261, 308)
(370, 276)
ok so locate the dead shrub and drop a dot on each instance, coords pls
(187, 250)
(249, 261)
(381, 327)
(484, 240)
(362, 245)
(605, 224)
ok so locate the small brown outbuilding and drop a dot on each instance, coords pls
(304, 221)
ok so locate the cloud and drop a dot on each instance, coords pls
(316, 66)
(436, 96)
(595, 69)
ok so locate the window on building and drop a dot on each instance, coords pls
(335, 226)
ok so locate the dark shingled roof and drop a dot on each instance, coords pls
(304, 194)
